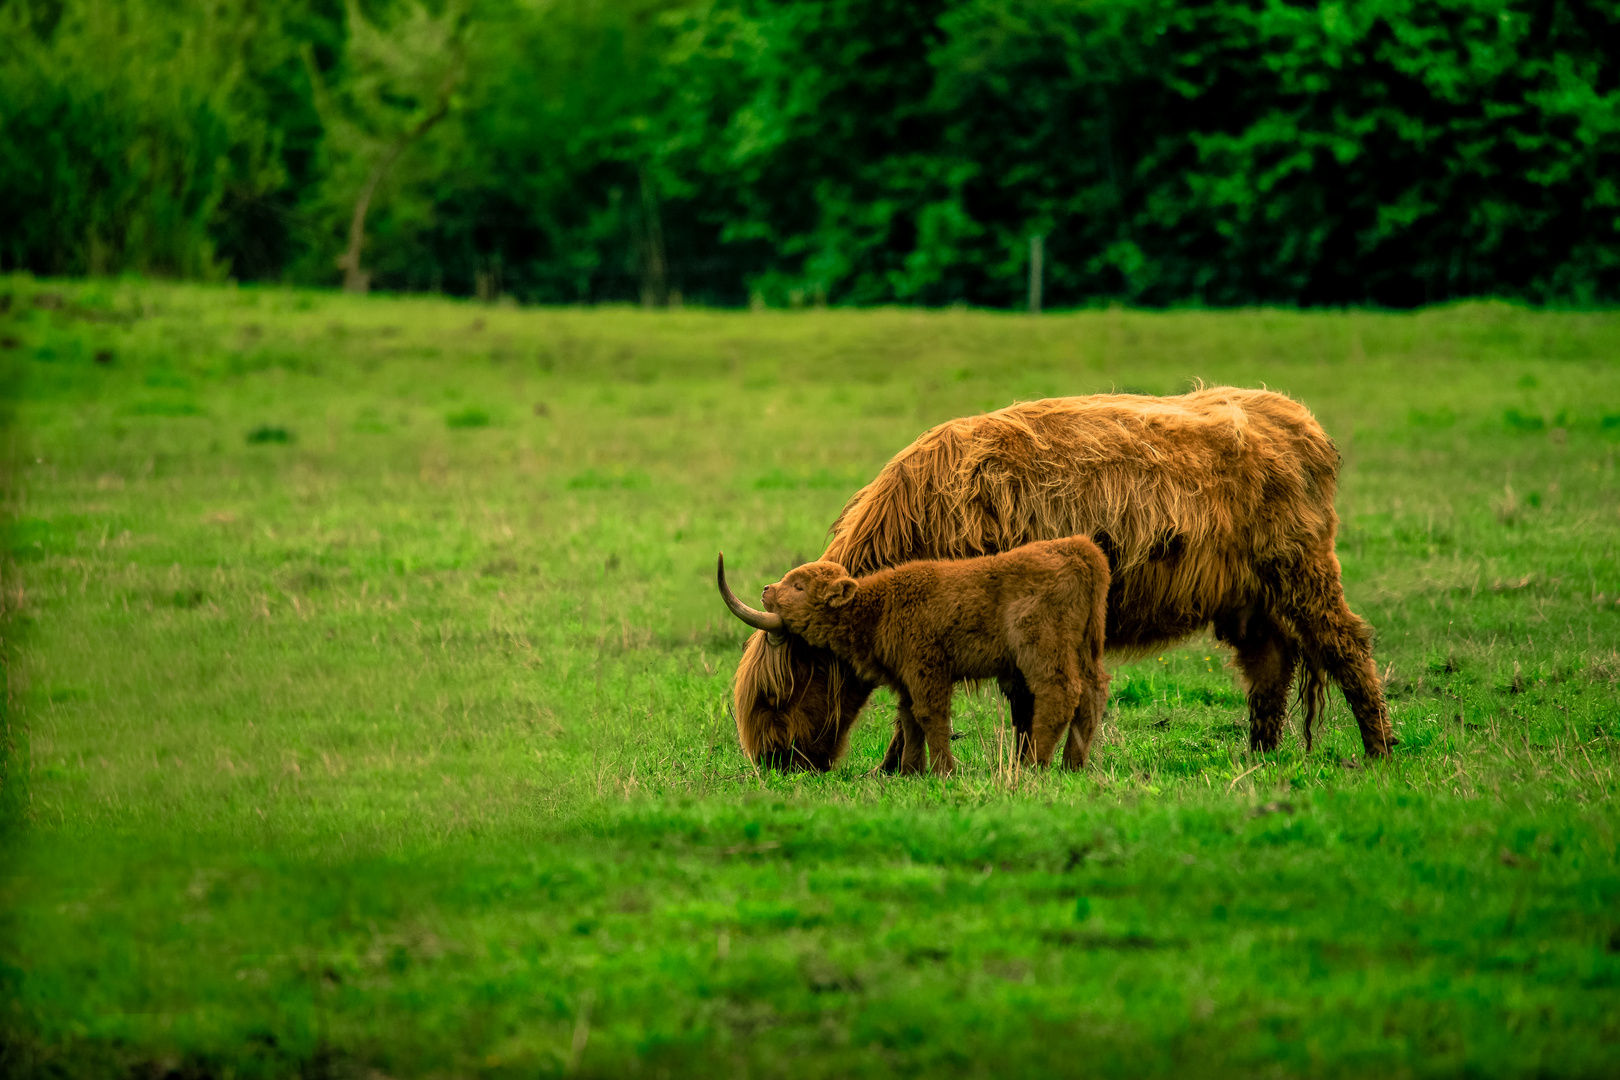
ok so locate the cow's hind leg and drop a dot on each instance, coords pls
(1339, 643)
(1266, 658)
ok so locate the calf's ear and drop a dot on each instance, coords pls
(841, 592)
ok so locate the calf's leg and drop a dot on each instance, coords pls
(1056, 706)
(1052, 674)
(1094, 692)
(1088, 714)
(1083, 725)
(931, 712)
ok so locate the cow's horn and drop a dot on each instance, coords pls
(759, 620)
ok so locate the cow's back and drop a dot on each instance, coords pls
(1186, 495)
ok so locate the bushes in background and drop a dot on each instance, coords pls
(1392, 152)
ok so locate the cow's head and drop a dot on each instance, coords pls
(795, 702)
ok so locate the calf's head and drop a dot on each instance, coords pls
(804, 602)
(808, 598)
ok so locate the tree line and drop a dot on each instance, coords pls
(785, 152)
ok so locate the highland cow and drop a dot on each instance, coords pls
(1038, 611)
(1214, 508)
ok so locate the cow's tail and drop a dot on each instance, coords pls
(1313, 696)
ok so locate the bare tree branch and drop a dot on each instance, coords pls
(366, 120)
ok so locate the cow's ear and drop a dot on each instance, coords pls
(841, 592)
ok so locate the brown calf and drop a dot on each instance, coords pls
(1038, 611)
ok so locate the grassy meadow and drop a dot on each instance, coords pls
(368, 709)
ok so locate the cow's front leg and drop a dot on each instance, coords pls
(1020, 706)
(897, 748)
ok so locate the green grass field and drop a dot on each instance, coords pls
(368, 709)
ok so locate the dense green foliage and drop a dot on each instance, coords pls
(369, 709)
(855, 151)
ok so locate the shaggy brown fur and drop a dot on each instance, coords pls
(1214, 508)
(1038, 610)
